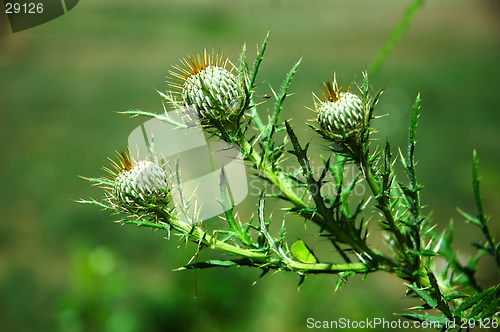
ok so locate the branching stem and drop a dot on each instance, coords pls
(258, 258)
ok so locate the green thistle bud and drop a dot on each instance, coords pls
(139, 180)
(340, 114)
(221, 84)
(209, 83)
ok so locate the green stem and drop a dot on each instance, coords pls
(255, 117)
(396, 35)
(259, 258)
(481, 215)
(495, 254)
(382, 205)
(415, 264)
(270, 174)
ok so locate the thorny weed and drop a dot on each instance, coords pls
(219, 95)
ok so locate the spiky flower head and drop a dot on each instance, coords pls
(341, 114)
(139, 182)
(209, 82)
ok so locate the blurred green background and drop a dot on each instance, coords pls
(66, 267)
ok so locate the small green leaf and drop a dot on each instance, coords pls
(298, 151)
(413, 125)
(470, 218)
(258, 60)
(422, 252)
(477, 193)
(441, 305)
(207, 264)
(217, 263)
(280, 98)
(427, 252)
(302, 253)
(454, 296)
(424, 295)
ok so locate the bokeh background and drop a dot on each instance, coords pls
(66, 267)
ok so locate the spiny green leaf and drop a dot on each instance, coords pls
(482, 247)
(469, 303)
(371, 109)
(324, 173)
(213, 263)
(477, 193)
(492, 307)
(486, 301)
(337, 169)
(293, 137)
(441, 320)
(258, 61)
(470, 218)
(280, 98)
(453, 296)
(243, 67)
(94, 202)
(422, 293)
(145, 223)
(427, 252)
(413, 124)
(441, 305)
(100, 181)
(162, 117)
(301, 210)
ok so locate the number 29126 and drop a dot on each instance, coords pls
(25, 8)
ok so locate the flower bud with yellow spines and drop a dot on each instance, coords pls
(139, 183)
(210, 83)
(341, 114)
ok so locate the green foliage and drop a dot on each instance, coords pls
(303, 253)
(452, 292)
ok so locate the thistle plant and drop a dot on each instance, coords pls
(221, 96)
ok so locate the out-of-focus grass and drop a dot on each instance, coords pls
(62, 82)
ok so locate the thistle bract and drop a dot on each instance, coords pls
(220, 90)
(340, 114)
